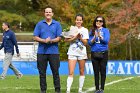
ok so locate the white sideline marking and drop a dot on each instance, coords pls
(110, 83)
(90, 89)
(29, 88)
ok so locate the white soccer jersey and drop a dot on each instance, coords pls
(77, 48)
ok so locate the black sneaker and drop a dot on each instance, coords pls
(43, 91)
(101, 91)
(57, 90)
(97, 91)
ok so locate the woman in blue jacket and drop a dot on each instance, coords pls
(99, 37)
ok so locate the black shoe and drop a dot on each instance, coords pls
(101, 91)
(97, 91)
(57, 90)
(43, 91)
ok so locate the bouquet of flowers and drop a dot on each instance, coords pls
(72, 32)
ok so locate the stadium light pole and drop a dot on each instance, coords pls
(128, 15)
(20, 26)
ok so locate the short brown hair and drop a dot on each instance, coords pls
(48, 7)
(6, 23)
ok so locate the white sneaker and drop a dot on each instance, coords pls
(19, 76)
(2, 78)
(67, 91)
(80, 91)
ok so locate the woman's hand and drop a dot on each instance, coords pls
(93, 39)
(70, 39)
(99, 35)
(79, 36)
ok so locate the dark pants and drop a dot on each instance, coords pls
(42, 62)
(99, 67)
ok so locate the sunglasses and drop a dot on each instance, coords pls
(99, 21)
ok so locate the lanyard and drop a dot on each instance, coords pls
(79, 44)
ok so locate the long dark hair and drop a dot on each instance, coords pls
(94, 23)
(80, 16)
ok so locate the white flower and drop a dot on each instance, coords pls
(73, 32)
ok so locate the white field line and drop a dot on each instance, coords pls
(18, 88)
(4, 88)
(90, 89)
(110, 83)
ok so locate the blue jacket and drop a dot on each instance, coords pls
(8, 42)
(100, 45)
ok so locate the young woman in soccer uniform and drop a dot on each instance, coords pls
(77, 52)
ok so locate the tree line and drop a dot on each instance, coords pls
(122, 18)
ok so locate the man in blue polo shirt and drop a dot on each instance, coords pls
(48, 33)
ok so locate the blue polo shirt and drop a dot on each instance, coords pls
(43, 30)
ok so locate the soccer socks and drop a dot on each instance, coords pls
(69, 83)
(81, 83)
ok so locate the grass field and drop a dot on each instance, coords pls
(30, 84)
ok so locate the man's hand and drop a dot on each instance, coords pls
(47, 40)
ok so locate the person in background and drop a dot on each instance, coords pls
(77, 52)
(48, 33)
(99, 38)
(8, 43)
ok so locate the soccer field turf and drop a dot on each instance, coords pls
(30, 84)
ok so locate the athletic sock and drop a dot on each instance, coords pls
(81, 83)
(69, 83)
